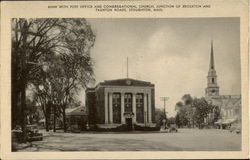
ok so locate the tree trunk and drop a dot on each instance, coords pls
(24, 83)
(46, 123)
(54, 119)
(23, 111)
(64, 120)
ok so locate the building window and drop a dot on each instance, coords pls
(139, 100)
(128, 102)
(139, 108)
(212, 80)
(116, 102)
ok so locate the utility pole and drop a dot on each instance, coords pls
(164, 99)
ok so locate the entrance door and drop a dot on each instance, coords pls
(129, 123)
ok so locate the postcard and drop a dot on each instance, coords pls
(124, 79)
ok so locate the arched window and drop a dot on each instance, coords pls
(212, 80)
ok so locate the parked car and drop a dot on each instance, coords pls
(172, 128)
(235, 128)
(16, 137)
(33, 133)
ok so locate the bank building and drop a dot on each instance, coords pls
(113, 103)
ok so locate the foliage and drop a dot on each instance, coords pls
(159, 116)
(195, 111)
(201, 110)
(171, 120)
(54, 56)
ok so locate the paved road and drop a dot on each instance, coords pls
(184, 140)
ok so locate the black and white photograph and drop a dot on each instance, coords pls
(126, 84)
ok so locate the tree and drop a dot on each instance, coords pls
(202, 108)
(31, 38)
(43, 98)
(185, 111)
(171, 120)
(187, 99)
(214, 114)
(159, 116)
(178, 106)
(34, 41)
(73, 68)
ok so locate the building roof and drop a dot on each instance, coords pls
(227, 101)
(126, 82)
(78, 111)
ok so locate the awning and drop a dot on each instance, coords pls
(42, 120)
(229, 121)
(219, 121)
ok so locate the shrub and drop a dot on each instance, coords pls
(146, 128)
(125, 128)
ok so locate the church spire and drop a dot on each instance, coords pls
(212, 57)
(212, 87)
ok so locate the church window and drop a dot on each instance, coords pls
(212, 80)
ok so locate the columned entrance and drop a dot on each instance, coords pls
(119, 103)
(114, 103)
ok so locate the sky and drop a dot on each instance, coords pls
(172, 53)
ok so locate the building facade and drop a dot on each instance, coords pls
(229, 105)
(123, 101)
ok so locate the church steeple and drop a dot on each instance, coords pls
(212, 56)
(212, 87)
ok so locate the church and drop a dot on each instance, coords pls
(230, 105)
(113, 103)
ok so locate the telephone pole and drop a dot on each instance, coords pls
(164, 99)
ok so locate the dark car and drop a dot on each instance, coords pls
(172, 128)
(235, 128)
(33, 134)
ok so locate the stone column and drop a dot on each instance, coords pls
(145, 105)
(134, 106)
(110, 107)
(106, 108)
(149, 108)
(122, 108)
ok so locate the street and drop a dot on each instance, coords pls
(184, 140)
